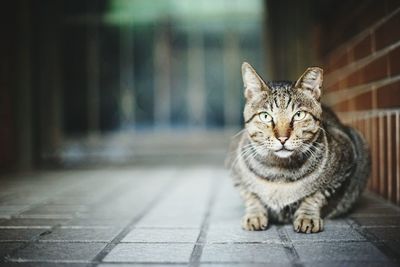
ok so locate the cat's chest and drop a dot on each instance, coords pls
(277, 195)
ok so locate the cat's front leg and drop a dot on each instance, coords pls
(256, 216)
(307, 218)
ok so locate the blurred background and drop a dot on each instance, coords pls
(134, 82)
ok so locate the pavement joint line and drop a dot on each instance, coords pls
(162, 192)
(288, 246)
(8, 227)
(194, 260)
(372, 239)
(36, 238)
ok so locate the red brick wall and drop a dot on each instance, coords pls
(360, 48)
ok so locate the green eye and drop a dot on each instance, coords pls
(299, 115)
(265, 117)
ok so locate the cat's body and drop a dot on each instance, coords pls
(295, 162)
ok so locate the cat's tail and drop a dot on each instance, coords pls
(358, 181)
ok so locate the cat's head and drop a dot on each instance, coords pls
(282, 118)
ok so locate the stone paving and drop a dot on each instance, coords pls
(169, 216)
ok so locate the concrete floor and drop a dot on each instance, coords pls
(171, 217)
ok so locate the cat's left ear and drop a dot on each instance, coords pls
(311, 80)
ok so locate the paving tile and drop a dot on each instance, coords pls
(29, 223)
(19, 234)
(58, 252)
(385, 233)
(378, 221)
(81, 234)
(162, 235)
(21, 199)
(241, 253)
(394, 245)
(8, 247)
(42, 264)
(338, 251)
(158, 253)
(359, 263)
(238, 235)
(141, 265)
(330, 233)
(230, 264)
(336, 223)
(375, 211)
(87, 222)
(6, 211)
(172, 219)
(76, 200)
(53, 211)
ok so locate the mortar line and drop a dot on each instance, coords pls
(35, 238)
(287, 244)
(197, 251)
(372, 239)
(162, 192)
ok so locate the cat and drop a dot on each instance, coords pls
(295, 161)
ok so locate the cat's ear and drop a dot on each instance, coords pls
(253, 84)
(311, 80)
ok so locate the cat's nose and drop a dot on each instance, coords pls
(283, 139)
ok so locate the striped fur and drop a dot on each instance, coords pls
(294, 161)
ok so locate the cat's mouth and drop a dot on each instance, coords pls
(283, 152)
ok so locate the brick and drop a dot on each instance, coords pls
(362, 48)
(388, 33)
(240, 253)
(376, 70)
(238, 235)
(82, 235)
(339, 61)
(389, 96)
(19, 234)
(332, 88)
(157, 253)
(342, 106)
(394, 62)
(330, 233)
(391, 5)
(339, 251)
(360, 102)
(162, 235)
(355, 78)
(58, 252)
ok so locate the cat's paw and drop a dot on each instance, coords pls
(255, 221)
(307, 224)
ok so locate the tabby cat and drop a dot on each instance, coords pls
(295, 161)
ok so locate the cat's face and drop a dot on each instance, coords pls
(282, 118)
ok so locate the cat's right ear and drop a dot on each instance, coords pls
(253, 84)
